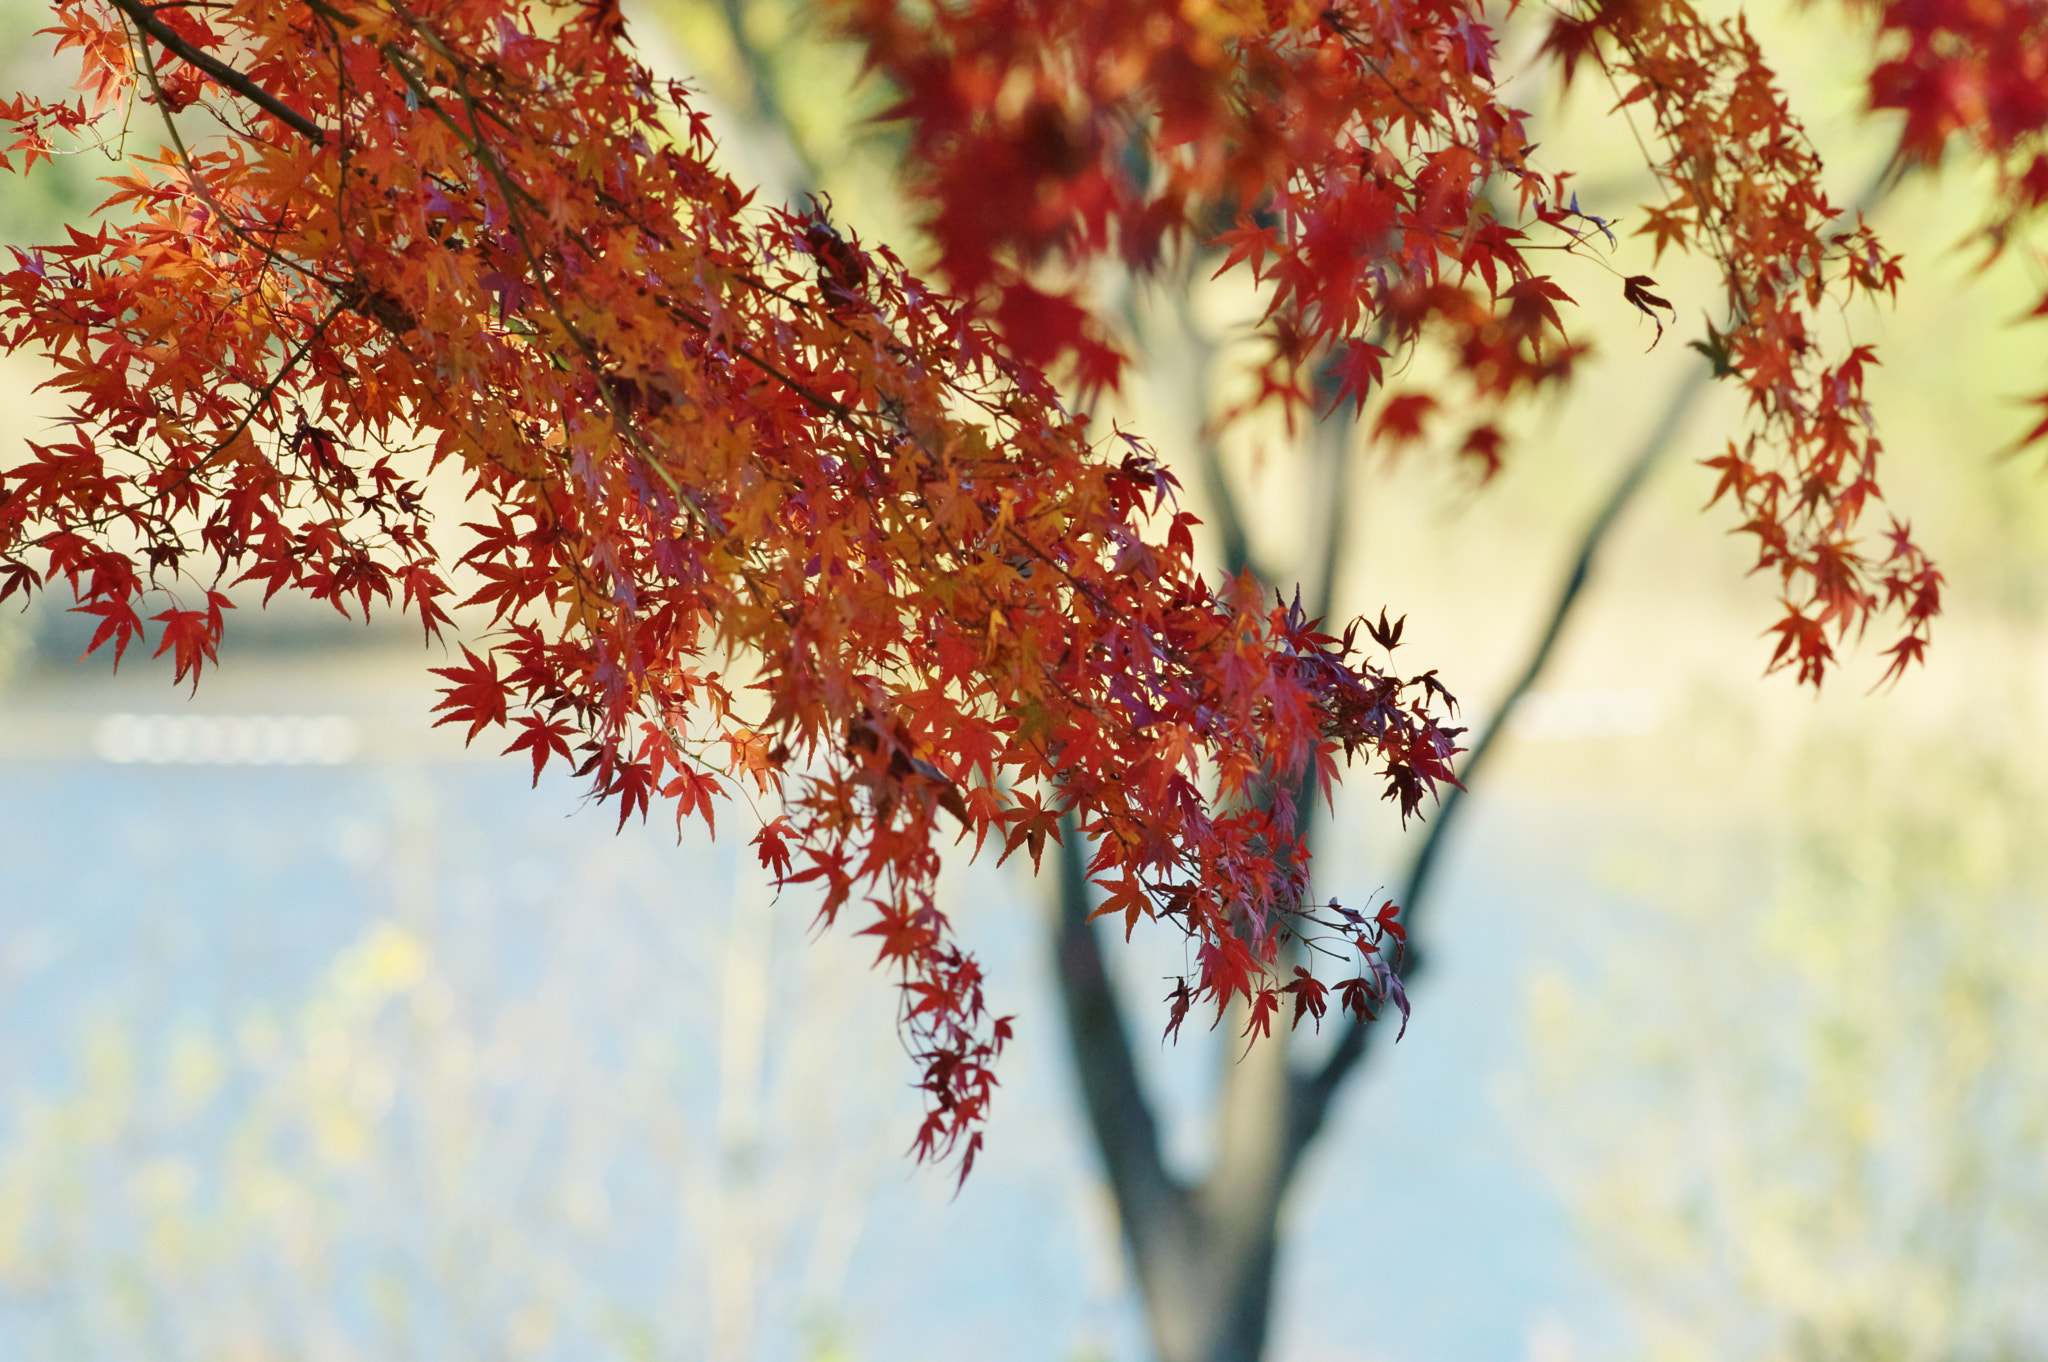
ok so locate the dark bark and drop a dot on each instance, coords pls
(1203, 1252)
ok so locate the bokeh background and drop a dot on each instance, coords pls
(324, 1037)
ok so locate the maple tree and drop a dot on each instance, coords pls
(465, 235)
(761, 511)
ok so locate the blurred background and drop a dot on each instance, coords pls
(324, 1037)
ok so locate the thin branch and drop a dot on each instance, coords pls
(1419, 874)
(145, 18)
(1313, 1093)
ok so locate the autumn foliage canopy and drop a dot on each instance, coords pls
(757, 510)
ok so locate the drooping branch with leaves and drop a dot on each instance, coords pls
(464, 236)
(757, 509)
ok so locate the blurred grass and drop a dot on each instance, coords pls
(1802, 1106)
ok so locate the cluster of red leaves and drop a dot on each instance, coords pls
(1345, 153)
(1979, 73)
(1358, 158)
(1979, 70)
(1363, 996)
(1743, 186)
(477, 234)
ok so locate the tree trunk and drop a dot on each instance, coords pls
(1205, 1253)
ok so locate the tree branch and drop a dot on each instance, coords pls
(219, 71)
(1313, 1093)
